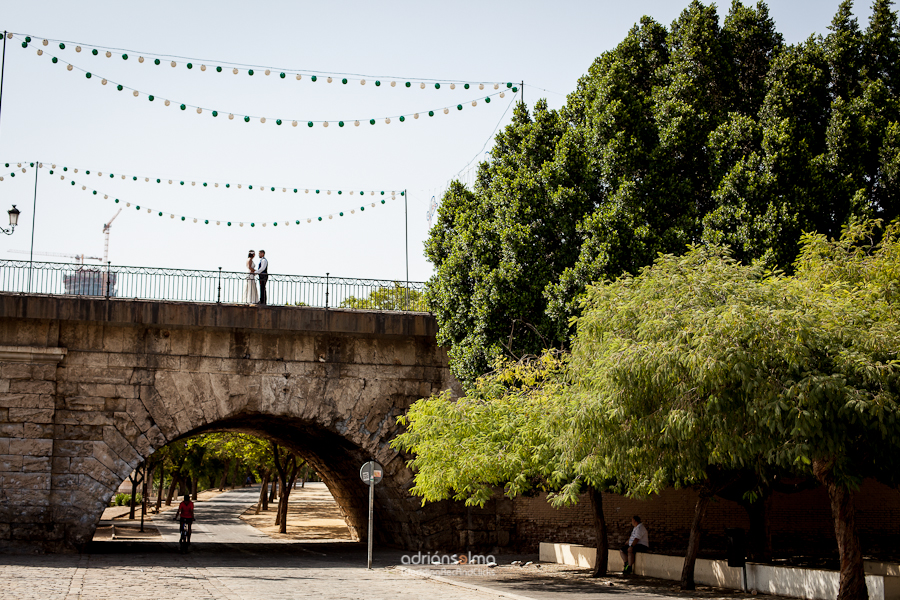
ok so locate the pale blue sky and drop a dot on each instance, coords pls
(54, 115)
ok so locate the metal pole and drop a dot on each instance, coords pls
(2, 70)
(523, 90)
(144, 497)
(219, 297)
(108, 263)
(406, 226)
(371, 507)
(326, 290)
(37, 169)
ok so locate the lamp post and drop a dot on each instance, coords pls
(13, 220)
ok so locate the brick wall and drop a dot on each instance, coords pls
(798, 523)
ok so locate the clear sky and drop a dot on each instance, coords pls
(61, 117)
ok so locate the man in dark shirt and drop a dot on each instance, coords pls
(263, 270)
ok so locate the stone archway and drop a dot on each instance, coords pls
(90, 388)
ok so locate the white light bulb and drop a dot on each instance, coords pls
(193, 183)
(356, 123)
(174, 64)
(146, 180)
(267, 72)
(262, 120)
(202, 67)
(128, 204)
(393, 84)
(329, 216)
(218, 222)
(171, 216)
(108, 54)
(416, 116)
(329, 192)
(136, 93)
(305, 191)
(199, 110)
(474, 103)
(325, 124)
(446, 111)
(140, 59)
(421, 86)
(235, 71)
(40, 52)
(77, 48)
(298, 77)
(263, 224)
(452, 86)
(387, 121)
(195, 220)
(170, 182)
(230, 117)
(103, 81)
(502, 94)
(99, 174)
(167, 103)
(329, 81)
(496, 86)
(294, 123)
(362, 82)
(45, 42)
(239, 186)
(353, 212)
(216, 184)
(68, 67)
(480, 86)
(309, 220)
(105, 196)
(373, 205)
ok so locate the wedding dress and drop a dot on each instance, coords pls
(251, 295)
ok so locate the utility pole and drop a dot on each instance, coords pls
(37, 169)
(406, 229)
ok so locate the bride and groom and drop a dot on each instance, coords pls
(261, 269)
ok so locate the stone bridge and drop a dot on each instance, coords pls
(89, 388)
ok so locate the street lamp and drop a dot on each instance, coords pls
(13, 220)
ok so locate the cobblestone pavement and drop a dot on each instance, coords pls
(231, 560)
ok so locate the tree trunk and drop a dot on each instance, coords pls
(602, 561)
(274, 493)
(285, 498)
(262, 492)
(853, 577)
(134, 485)
(162, 482)
(172, 487)
(223, 481)
(194, 491)
(687, 573)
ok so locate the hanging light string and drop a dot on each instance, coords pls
(221, 66)
(188, 219)
(64, 171)
(247, 118)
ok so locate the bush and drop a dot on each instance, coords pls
(125, 500)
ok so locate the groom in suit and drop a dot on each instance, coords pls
(263, 270)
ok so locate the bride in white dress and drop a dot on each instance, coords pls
(251, 296)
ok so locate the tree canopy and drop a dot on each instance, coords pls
(697, 369)
(709, 131)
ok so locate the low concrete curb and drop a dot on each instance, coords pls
(462, 584)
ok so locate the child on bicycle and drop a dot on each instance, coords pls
(186, 514)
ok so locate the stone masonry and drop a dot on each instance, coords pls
(89, 388)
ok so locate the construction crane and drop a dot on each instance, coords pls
(106, 241)
(79, 257)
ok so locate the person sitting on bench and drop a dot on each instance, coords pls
(638, 542)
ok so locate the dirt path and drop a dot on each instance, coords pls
(312, 515)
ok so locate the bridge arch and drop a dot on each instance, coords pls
(89, 388)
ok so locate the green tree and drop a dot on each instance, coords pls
(395, 297)
(697, 133)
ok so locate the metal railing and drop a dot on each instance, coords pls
(149, 283)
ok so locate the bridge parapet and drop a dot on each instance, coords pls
(228, 287)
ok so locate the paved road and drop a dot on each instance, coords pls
(229, 560)
(233, 561)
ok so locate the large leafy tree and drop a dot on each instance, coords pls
(698, 372)
(697, 133)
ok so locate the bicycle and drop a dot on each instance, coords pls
(184, 540)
